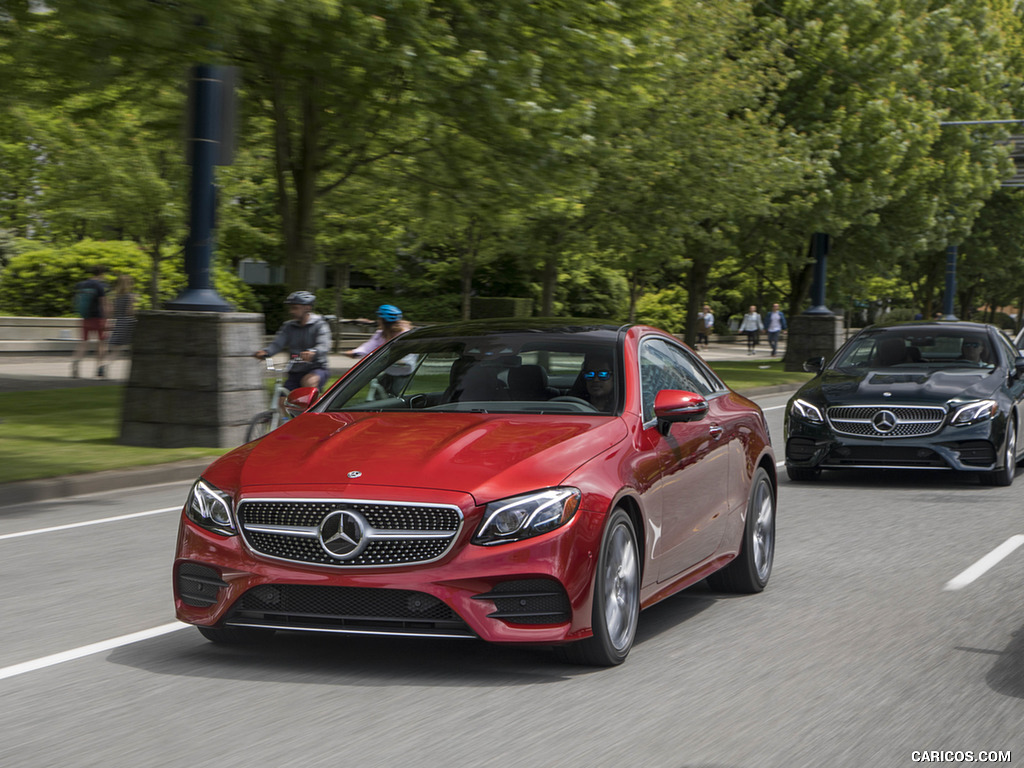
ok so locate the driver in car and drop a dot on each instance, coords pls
(972, 351)
(600, 383)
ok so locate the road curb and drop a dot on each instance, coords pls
(26, 491)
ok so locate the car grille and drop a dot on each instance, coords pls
(359, 610)
(883, 456)
(906, 421)
(391, 533)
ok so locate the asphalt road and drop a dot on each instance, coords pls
(857, 654)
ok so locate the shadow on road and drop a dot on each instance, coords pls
(383, 661)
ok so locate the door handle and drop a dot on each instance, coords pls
(716, 432)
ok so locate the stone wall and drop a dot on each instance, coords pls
(193, 379)
(812, 336)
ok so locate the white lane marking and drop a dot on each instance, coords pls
(90, 650)
(87, 522)
(773, 408)
(989, 561)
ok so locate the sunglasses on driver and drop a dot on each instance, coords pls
(599, 375)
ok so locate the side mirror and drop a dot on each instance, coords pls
(672, 405)
(814, 364)
(1018, 368)
(299, 400)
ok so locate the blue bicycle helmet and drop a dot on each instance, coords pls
(389, 313)
(301, 297)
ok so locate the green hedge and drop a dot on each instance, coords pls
(483, 307)
(40, 281)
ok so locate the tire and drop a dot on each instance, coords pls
(616, 599)
(1002, 478)
(235, 635)
(259, 426)
(802, 474)
(750, 571)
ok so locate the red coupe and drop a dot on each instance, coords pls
(516, 481)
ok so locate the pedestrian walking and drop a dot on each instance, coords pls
(90, 304)
(123, 311)
(705, 325)
(774, 324)
(751, 326)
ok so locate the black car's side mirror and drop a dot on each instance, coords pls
(814, 364)
(1018, 368)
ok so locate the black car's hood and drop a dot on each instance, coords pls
(921, 386)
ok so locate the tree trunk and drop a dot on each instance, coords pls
(696, 289)
(549, 282)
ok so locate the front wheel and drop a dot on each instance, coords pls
(261, 424)
(750, 571)
(616, 598)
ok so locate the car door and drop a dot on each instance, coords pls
(693, 459)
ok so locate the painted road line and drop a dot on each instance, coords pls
(90, 650)
(986, 563)
(69, 526)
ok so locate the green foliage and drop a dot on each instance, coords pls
(501, 306)
(592, 290)
(665, 309)
(40, 282)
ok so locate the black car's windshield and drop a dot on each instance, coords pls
(910, 349)
(495, 373)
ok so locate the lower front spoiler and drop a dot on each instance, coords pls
(467, 635)
(961, 456)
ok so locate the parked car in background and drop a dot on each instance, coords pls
(940, 395)
(516, 481)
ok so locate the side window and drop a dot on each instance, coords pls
(664, 366)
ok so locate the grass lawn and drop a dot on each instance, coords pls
(72, 431)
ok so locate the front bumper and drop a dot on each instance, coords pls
(533, 591)
(971, 448)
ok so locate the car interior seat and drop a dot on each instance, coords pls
(913, 355)
(890, 350)
(529, 382)
(481, 382)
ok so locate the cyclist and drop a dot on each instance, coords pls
(307, 337)
(389, 325)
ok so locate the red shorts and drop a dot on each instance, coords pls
(94, 326)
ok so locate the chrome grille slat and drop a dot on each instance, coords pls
(398, 533)
(911, 421)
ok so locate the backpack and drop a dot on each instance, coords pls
(84, 299)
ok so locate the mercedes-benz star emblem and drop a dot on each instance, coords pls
(884, 421)
(343, 534)
(354, 474)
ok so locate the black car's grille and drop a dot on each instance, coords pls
(883, 456)
(886, 421)
(345, 609)
(383, 533)
(528, 601)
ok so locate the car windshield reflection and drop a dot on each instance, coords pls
(907, 351)
(526, 373)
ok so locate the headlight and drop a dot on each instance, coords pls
(529, 515)
(210, 508)
(806, 411)
(972, 412)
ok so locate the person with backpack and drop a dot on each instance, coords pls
(90, 304)
(307, 337)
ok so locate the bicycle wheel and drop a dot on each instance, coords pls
(259, 426)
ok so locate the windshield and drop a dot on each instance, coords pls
(496, 373)
(903, 349)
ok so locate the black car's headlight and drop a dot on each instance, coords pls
(806, 411)
(531, 514)
(210, 508)
(974, 412)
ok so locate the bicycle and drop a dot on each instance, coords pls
(267, 421)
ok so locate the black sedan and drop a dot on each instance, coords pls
(925, 395)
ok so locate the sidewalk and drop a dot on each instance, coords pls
(45, 372)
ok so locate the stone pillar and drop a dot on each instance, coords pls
(193, 380)
(812, 336)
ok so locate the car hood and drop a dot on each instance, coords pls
(485, 455)
(921, 386)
